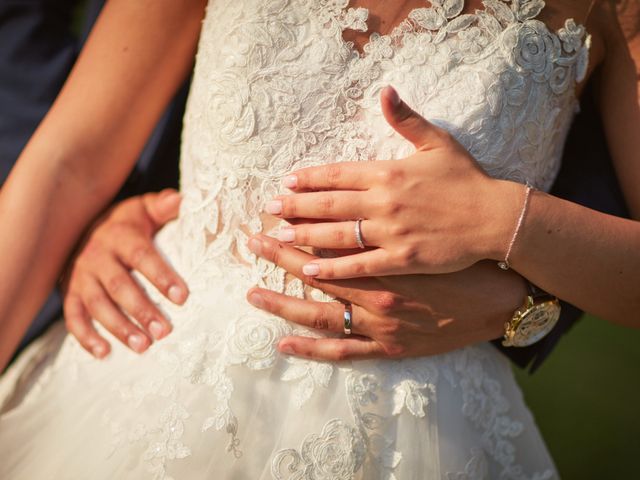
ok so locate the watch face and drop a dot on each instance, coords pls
(536, 323)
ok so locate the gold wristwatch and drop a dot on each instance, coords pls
(531, 322)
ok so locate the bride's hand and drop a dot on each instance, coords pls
(393, 316)
(435, 211)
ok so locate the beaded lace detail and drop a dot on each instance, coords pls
(276, 88)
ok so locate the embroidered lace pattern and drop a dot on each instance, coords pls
(277, 88)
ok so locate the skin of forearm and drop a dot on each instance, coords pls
(587, 258)
(134, 61)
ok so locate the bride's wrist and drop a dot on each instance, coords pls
(506, 204)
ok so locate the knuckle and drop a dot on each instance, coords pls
(321, 320)
(163, 281)
(139, 254)
(326, 204)
(390, 327)
(339, 237)
(333, 174)
(394, 350)
(289, 206)
(142, 313)
(393, 207)
(359, 268)
(94, 302)
(116, 283)
(276, 253)
(386, 302)
(407, 256)
(397, 229)
(340, 353)
(391, 175)
(302, 235)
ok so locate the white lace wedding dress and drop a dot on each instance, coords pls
(275, 88)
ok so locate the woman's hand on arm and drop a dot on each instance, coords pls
(393, 316)
(135, 59)
(99, 285)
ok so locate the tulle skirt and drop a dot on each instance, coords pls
(215, 400)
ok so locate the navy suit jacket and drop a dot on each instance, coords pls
(38, 48)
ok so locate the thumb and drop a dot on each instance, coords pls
(162, 206)
(407, 122)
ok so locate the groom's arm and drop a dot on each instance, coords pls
(135, 59)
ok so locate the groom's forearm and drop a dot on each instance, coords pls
(135, 59)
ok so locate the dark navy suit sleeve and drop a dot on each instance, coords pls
(37, 51)
(587, 177)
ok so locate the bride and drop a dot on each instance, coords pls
(277, 87)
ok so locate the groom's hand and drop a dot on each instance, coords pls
(393, 316)
(98, 284)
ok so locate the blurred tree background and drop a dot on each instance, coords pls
(585, 398)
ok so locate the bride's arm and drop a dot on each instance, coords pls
(437, 212)
(136, 57)
(586, 257)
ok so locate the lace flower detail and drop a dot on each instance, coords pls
(229, 112)
(252, 341)
(308, 374)
(533, 48)
(437, 16)
(336, 454)
(571, 36)
(473, 40)
(527, 9)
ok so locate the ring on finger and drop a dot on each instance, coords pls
(348, 318)
(358, 232)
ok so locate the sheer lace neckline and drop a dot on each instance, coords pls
(441, 18)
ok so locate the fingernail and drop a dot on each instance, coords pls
(290, 181)
(287, 235)
(255, 246)
(256, 300)
(99, 350)
(288, 349)
(175, 294)
(170, 198)
(311, 269)
(137, 343)
(274, 207)
(156, 329)
(393, 96)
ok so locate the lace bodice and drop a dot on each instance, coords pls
(277, 88)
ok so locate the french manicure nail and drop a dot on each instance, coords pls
(288, 349)
(274, 207)
(156, 329)
(175, 294)
(136, 342)
(287, 235)
(255, 246)
(99, 350)
(256, 300)
(290, 181)
(311, 269)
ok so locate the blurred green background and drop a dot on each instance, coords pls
(586, 400)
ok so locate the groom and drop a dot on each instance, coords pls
(29, 84)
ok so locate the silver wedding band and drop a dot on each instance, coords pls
(348, 318)
(358, 231)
